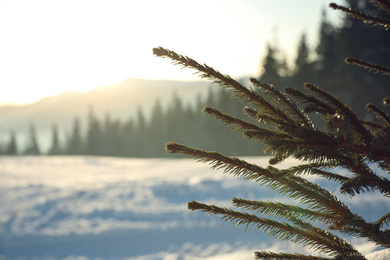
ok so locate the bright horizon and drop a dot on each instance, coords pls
(49, 47)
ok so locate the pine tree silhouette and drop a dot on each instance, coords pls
(32, 146)
(286, 127)
(12, 148)
(326, 50)
(303, 68)
(75, 145)
(94, 142)
(55, 148)
(271, 66)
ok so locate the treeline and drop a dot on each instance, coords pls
(139, 137)
(322, 64)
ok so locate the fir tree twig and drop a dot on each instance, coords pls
(314, 104)
(292, 186)
(385, 4)
(346, 110)
(230, 120)
(278, 209)
(293, 108)
(315, 169)
(241, 92)
(316, 238)
(380, 114)
(251, 112)
(267, 255)
(370, 66)
(385, 23)
(384, 220)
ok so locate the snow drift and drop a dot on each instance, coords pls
(117, 208)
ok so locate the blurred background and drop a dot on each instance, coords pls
(79, 81)
(79, 77)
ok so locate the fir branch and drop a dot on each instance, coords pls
(329, 202)
(384, 220)
(236, 217)
(293, 108)
(314, 169)
(341, 154)
(315, 238)
(362, 183)
(365, 180)
(231, 165)
(380, 114)
(230, 120)
(354, 226)
(372, 124)
(275, 121)
(282, 145)
(281, 114)
(267, 136)
(291, 186)
(385, 166)
(370, 66)
(347, 251)
(204, 70)
(346, 111)
(314, 104)
(385, 4)
(318, 157)
(268, 120)
(385, 23)
(278, 209)
(300, 136)
(240, 91)
(357, 227)
(251, 112)
(284, 148)
(267, 255)
(304, 141)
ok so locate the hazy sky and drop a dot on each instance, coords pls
(50, 46)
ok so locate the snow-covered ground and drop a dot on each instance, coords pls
(116, 208)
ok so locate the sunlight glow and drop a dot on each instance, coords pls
(48, 47)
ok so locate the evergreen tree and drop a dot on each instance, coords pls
(177, 120)
(32, 145)
(285, 126)
(75, 141)
(158, 129)
(112, 137)
(271, 66)
(303, 67)
(327, 50)
(94, 135)
(55, 148)
(142, 144)
(207, 129)
(12, 148)
(2, 149)
(128, 140)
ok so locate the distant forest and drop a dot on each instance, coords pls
(146, 138)
(322, 64)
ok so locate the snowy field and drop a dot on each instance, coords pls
(116, 208)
